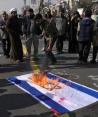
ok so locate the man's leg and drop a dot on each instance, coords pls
(28, 45)
(36, 45)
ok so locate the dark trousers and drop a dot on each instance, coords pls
(95, 50)
(84, 48)
(59, 43)
(73, 46)
(16, 47)
(49, 54)
(6, 45)
(73, 43)
(45, 43)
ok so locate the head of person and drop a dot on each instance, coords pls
(4, 15)
(54, 12)
(76, 14)
(13, 12)
(48, 16)
(38, 18)
(30, 13)
(88, 12)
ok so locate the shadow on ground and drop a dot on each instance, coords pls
(22, 67)
(73, 66)
(4, 113)
(4, 83)
(2, 90)
(16, 101)
(49, 114)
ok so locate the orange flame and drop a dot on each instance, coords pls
(42, 80)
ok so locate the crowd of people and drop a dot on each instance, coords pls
(81, 31)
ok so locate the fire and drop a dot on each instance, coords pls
(42, 80)
(39, 78)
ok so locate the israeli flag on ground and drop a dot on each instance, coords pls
(68, 96)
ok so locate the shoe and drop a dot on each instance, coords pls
(36, 59)
(7, 56)
(19, 61)
(59, 52)
(43, 49)
(22, 60)
(53, 62)
(81, 62)
(93, 62)
(28, 56)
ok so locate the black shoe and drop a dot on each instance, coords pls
(7, 56)
(22, 60)
(93, 62)
(36, 59)
(61, 52)
(19, 61)
(53, 62)
(58, 52)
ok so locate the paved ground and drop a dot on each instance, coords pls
(16, 103)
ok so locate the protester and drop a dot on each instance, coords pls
(28, 20)
(14, 29)
(85, 32)
(61, 24)
(4, 35)
(33, 31)
(95, 37)
(73, 43)
(50, 34)
(36, 33)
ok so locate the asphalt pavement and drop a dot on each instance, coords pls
(16, 103)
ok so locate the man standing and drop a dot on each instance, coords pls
(86, 32)
(50, 34)
(61, 24)
(4, 35)
(14, 29)
(28, 22)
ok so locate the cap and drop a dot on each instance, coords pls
(13, 9)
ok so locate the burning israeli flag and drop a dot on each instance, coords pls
(66, 96)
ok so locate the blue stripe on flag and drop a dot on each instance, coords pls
(76, 86)
(39, 95)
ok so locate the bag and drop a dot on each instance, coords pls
(24, 45)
